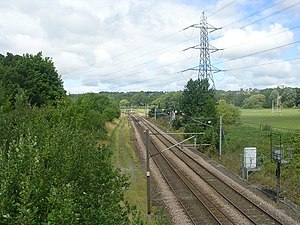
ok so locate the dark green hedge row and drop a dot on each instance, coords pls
(53, 169)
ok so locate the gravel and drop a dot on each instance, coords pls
(173, 207)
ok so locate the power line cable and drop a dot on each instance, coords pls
(270, 35)
(125, 53)
(164, 37)
(224, 7)
(158, 67)
(263, 51)
(255, 13)
(265, 17)
(263, 64)
(177, 32)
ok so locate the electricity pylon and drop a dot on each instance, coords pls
(205, 69)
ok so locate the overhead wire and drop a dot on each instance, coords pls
(139, 47)
(164, 37)
(263, 64)
(222, 8)
(125, 52)
(259, 52)
(255, 13)
(267, 16)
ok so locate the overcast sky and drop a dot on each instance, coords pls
(134, 45)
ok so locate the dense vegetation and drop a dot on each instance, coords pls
(32, 77)
(54, 167)
(239, 130)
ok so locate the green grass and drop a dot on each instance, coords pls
(286, 119)
(125, 158)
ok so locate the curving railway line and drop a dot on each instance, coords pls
(205, 197)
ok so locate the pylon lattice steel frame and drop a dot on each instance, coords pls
(205, 69)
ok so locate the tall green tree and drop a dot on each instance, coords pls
(52, 172)
(198, 105)
(231, 115)
(198, 100)
(36, 75)
(288, 97)
(255, 101)
(297, 100)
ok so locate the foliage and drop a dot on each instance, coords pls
(297, 99)
(198, 100)
(53, 172)
(5, 104)
(168, 101)
(288, 97)
(231, 115)
(124, 103)
(35, 75)
(235, 98)
(198, 104)
(274, 95)
(286, 119)
(255, 101)
(239, 137)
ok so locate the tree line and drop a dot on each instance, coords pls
(244, 98)
(54, 165)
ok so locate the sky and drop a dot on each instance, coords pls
(137, 45)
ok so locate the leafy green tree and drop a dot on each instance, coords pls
(231, 115)
(52, 172)
(198, 100)
(274, 95)
(168, 101)
(255, 101)
(139, 99)
(198, 104)
(297, 100)
(34, 74)
(5, 104)
(288, 97)
(124, 103)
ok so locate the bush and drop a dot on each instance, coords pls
(54, 173)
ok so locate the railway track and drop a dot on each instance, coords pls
(205, 197)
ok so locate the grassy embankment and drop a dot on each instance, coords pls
(126, 159)
(284, 119)
(255, 132)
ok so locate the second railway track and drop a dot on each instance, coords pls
(205, 197)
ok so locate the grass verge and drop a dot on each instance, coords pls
(126, 159)
(285, 119)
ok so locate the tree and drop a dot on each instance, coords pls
(198, 100)
(255, 101)
(54, 173)
(288, 97)
(168, 101)
(35, 75)
(198, 106)
(5, 104)
(274, 95)
(124, 103)
(231, 115)
(139, 99)
(297, 100)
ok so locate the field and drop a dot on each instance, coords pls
(254, 131)
(286, 119)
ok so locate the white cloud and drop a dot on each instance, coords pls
(242, 42)
(136, 45)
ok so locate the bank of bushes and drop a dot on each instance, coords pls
(238, 137)
(54, 169)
